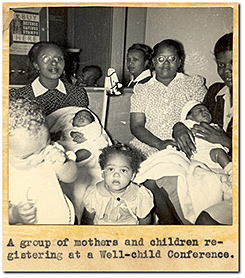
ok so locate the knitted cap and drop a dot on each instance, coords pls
(188, 106)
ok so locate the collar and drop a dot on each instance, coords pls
(39, 89)
(179, 75)
(128, 195)
(143, 75)
(225, 91)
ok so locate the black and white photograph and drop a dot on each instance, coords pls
(122, 138)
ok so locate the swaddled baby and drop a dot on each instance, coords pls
(83, 135)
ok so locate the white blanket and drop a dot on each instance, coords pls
(198, 187)
(89, 170)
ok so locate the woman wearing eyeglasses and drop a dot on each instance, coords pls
(48, 60)
(156, 105)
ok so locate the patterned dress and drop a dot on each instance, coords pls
(162, 105)
(53, 100)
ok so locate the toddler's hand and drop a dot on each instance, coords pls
(24, 213)
(55, 154)
(77, 137)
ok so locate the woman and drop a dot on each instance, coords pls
(219, 101)
(48, 60)
(156, 105)
(139, 64)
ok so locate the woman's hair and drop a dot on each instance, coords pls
(26, 114)
(178, 46)
(33, 54)
(145, 49)
(223, 44)
(134, 156)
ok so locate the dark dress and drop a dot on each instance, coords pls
(216, 107)
(53, 100)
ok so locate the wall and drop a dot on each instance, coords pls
(197, 28)
(117, 120)
(90, 30)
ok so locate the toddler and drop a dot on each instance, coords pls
(213, 155)
(83, 135)
(116, 200)
(35, 168)
(89, 76)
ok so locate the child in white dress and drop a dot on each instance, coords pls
(35, 169)
(116, 200)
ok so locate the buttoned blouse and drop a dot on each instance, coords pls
(162, 105)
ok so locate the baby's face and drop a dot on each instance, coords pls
(25, 150)
(200, 113)
(82, 118)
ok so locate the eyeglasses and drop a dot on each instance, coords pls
(163, 59)
(49, 58)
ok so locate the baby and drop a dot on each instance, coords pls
(83, 135)
(213, 155)
(35, 169)
(89, 76)
(116, 200)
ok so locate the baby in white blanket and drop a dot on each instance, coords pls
(83, 135)
(213, 155)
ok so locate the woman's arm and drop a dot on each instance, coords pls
(137, 127)
(146, 221)
(184, 139)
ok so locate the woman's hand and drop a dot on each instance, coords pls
(211, 134)
(184, 139)
(163, 144)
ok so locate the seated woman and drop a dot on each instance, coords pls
(139, 63)
(156, 106)
(48, 60)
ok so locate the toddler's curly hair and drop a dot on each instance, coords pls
(27, 114)
(134, 156)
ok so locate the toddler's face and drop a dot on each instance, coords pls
(25, 150)
(82, 118)
(224, 66)
(89, 78)
(200, 113)
(117, 173)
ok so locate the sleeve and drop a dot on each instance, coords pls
(200, 89)
(138, 99)
(145, 202)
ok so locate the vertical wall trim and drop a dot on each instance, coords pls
(47, 14)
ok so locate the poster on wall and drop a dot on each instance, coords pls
(85, 202)
(25, 32)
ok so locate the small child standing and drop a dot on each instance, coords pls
(35, 169)
(215, 156)
(116, 200)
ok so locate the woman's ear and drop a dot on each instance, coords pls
(35, 65)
